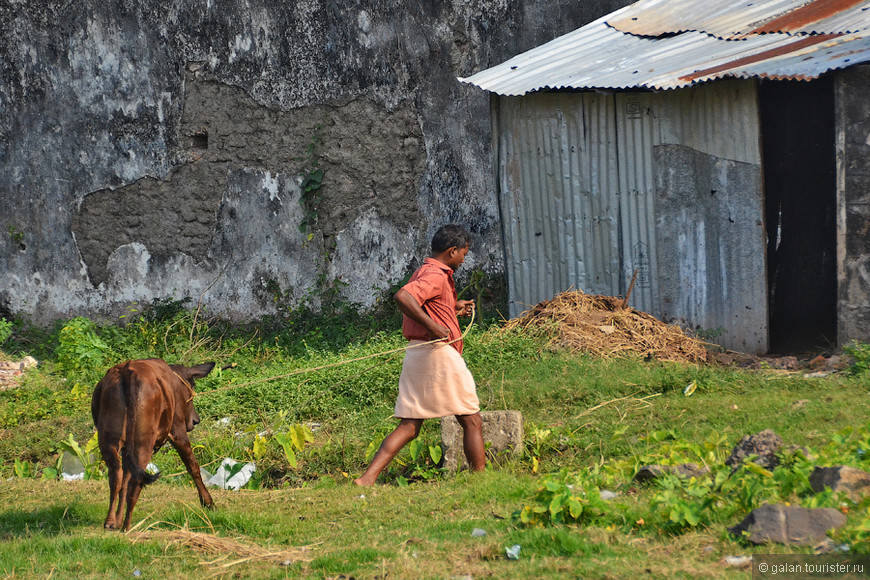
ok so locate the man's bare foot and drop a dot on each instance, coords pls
(362, 481)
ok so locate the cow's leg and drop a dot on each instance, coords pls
(122, 495)
(182, 445)
(113, 466)
(141, 455)
(134, 487)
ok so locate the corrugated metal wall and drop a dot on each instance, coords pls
(559, 195)
(595, 186)
(637, 136)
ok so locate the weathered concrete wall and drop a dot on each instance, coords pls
(155, 150)
(853, 204)
(710, 248)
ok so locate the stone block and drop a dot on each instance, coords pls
(763, 445)
(792, 524)
(649, 473)
(502, 432)
(855, 483)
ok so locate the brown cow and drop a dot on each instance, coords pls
(136, 407)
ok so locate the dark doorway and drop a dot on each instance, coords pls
(797, 129)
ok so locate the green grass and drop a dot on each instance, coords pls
(423, 531)
(599, 418)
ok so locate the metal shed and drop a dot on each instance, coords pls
(616, 152)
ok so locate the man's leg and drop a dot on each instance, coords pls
(405, 431)
(472, 440)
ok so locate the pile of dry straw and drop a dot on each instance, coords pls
(603, 326)
(227, 552)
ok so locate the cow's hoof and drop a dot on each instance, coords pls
(109, 525)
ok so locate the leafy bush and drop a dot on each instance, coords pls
(418, 461)
(860, 353)
(679, 504)
(857, 536)
(564, 497)
(5, 330)
(164, 309)
(31, 404)
(80, 350)
(683, 502)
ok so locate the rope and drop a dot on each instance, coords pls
(186, 384)
(344, 362)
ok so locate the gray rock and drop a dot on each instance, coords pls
(764, 444)
(686, 470)
(855, 483)
(502, 431)
(792, 524)
(738, 561)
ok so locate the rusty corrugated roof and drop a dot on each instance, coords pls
(667, 44)
(733, 20)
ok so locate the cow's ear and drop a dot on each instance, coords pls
(202, 370)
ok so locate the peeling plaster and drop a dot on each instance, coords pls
(102, 107)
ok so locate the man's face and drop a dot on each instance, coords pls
(456, 256)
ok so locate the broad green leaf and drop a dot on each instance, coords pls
(557, 503)
(526, 515)
(553, 485)
(235, 469)
(287, 445)
(261, 445)
(757, 469)
(92, 444)
(71, 445)
(372, 448)
(414, 447)
(575, 508)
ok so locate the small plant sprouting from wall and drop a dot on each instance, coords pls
(312, 180)
(17, 237)
(310, 199)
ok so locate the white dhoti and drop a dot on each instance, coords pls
(435, 382)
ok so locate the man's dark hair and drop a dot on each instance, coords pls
(448, 236)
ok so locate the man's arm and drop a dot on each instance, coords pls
(412, 309)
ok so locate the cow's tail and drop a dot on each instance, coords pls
(130, 387)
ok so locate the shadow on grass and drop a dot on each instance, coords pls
(50, 521)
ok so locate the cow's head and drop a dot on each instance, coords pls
(189, 374)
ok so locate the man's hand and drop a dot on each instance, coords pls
(409, 307)
(464, 307)
(437, 331)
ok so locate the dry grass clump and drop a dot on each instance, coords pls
(226, 552)
(602, 326)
